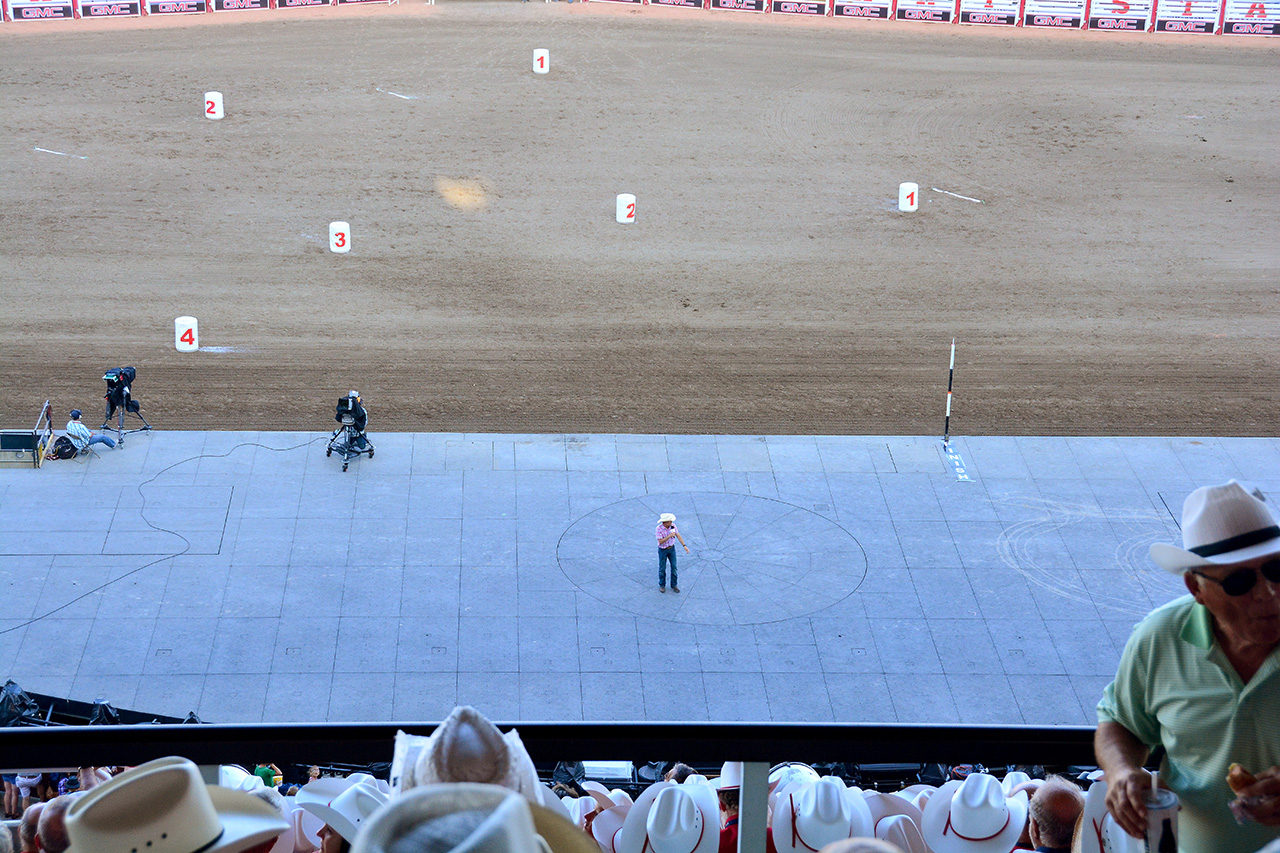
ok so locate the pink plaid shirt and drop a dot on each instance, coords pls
(667, 535)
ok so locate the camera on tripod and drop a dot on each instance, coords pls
(349, 439)
(119, 398)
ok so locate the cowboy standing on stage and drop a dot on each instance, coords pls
(1201, 677)
(668, 533)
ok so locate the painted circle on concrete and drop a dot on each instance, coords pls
(751, 559)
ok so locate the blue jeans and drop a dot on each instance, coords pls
(667, 555)
(102, 439)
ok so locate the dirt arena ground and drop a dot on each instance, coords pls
(1121, 275)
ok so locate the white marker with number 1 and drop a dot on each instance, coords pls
(541, 61)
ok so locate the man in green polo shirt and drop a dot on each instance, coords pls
(1200, 676)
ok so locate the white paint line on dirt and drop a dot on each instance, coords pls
(957, 195)
(60, 153)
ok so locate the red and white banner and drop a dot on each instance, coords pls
(1133, 16)
(1251, 18)
(1188, 16)
(817, 8)
(177, 7)
(741, 5)
(110, 8)
(881, 9)
(41, 10)
(938, 11)
(237, 5)
(1064, 14)
(1000, 13)
(300, 4)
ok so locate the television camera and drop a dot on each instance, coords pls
(349, 440)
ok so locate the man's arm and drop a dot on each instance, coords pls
(681, 538)
(1121, 755)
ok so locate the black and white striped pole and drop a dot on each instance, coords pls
(951, 373)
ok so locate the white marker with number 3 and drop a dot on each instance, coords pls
(340, 237)
(213, 105)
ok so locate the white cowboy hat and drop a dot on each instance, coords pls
(607, 826)
(347, 811)
(620, 796)
(782, 776)
(466, 747)
(1221, 525)
(730, 778)
(902, 831)
(974, 816)
(1013, 779)
(667, 516)
(470, 817)
(1099, 833)
(816, 814)
(599, 793)
(884, 806)
(678, 823)
(306, 831)
(164, 806)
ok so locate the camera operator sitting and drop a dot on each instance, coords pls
(351, 413)
(81, 436)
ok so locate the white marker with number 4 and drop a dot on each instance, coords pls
(186, 334)
(213, 105)
(340, 237)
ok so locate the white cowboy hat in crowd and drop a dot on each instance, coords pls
(884, 806)
(730, 778)
(682, 819)
(306, 831)
(470, 817)
(816, 814)
(1099, 833)
(606, 829)
(620, 796)
(1220, 525)
(347, 811)
(164, 806)
(667, 516)
(974, 816)
(782, 776)
(1013, 779)
(903, 832)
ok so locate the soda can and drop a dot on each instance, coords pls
(1162, 821)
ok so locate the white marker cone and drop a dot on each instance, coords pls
(908, 196)
(626, 213)
(340, 237)
(213, 105)
(186, 334)
(541, 61)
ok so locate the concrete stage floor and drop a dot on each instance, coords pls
(243, 576)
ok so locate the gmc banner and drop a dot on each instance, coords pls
(1187, 16)
(109, 9)
(798, 7)
(741, 5)
(1132, 16)
(41, 10)
(1251, 18)
(1062, 14)
(236, 5)
(938, 11)
(298, 4)
(687, 4)
(846, 9)
(177, 7)
(999, 13)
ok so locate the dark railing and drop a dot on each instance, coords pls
(702, 743)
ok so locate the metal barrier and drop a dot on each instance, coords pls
(704, 743)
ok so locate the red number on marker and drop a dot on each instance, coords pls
(989, 5)
(209, 107)
(631, 210)
(911, 198)
(188, 337)
(542, 62)
(340, 239)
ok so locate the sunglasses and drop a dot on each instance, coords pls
(1241, 581)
